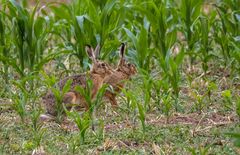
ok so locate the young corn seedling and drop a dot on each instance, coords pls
(34, 115)
(87, 95)
(167, 105)
(82, 122)
(73, 142)
(174, 78)
(136, 106)
(199, 151)
(157, 92)
(147, 89)
(227, 98)
(171, 67)
(100, 133)
(20, 99)
(210, 89)
(238, 107)
(51, 83)
(236, 58)
(199, 99)
(160, 87)
(128, 101)
(163, 96)
(131, 104)
(37, 129)
(142, 115)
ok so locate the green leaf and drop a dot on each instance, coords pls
(180, 57)
(226, 93)
(131, 36)
(39, 26)
(67, 86)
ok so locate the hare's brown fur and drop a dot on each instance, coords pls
(117, 79)
(97, 74)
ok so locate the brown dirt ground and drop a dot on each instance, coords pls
(203, 121)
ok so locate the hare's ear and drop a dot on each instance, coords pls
(97, 51)
(90, 52)
(122, 50)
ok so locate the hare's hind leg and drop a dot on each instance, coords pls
(49, 101)
(69, 99)
(112, 98)
(80, 103)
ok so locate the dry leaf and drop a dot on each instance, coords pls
(156, 149)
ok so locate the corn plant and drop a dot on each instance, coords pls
(199, 151)
(23, 95)
(227, 98)
(141, 111)
(140, 43)
(189, 12)
(238, 107)
(19, 105)
(174, 76)
(100, 133)
(205, 45)
(23, 98)
(4, 44)
(147, 89)
(20, 100)
(51, 83)
(162, 96)
(29, 36)
(167, 105)
(87, 23)
(73, 142)
(162, 20)
(157, 92)
(210, 89)
(130, 105)
(199, 101)
(170, 68)
(37, 129)
(82, 122)
(86, 92)
(137, 107)
(141, 115)
(226, 29)
(236, 57)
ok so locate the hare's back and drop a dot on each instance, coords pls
(79, 79)
(115, 78)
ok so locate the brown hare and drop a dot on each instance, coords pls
(118, 77)
(98, 72)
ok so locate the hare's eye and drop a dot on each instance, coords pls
(103, 65)
(129, 64)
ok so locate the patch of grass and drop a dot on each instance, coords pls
(171, 138)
